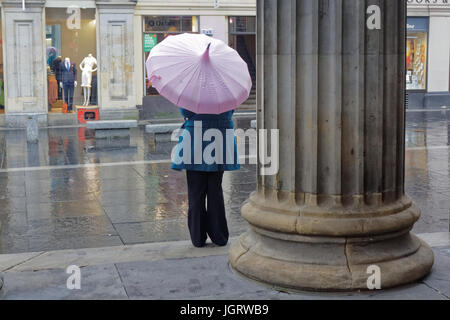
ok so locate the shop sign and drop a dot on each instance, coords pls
(150, 41)
(429, 2)
(163, 23)
(208, 32)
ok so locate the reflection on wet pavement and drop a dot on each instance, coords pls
(71, 195)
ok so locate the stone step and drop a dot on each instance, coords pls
(162, 128)
(111, 124)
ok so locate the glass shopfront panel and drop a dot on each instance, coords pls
(417, 54)
(156, 29)
(2, 82)
(71, 58)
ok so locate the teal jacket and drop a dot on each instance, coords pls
(211, 159)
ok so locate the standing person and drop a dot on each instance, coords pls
(206, 214)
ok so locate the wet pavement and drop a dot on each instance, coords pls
(74, 191)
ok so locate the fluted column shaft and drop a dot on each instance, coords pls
(334, 89)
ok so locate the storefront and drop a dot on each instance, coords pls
(428, 54)
(416, 54)
(156, 29)
(2, 86)
(162, 19)
(62, 52)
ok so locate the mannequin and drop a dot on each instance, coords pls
(69, 81)
(87, 68)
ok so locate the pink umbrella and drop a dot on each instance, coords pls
(199, 73)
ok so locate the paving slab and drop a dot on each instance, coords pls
(436, 239)
(177, 279)
(162, 128)
(114, 254)
(8, 261)
(63, 181)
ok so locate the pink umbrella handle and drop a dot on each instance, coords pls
(206, 54)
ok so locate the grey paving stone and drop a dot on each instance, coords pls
(144, 193)
(8, 261)
(189, 278)
(152, 211)
(211, 278)
(122, 197)
(105, 134)
(8, 191)
(71, 227)
(67, 195)
(13, 204)
(80, 208)
(162, 128)
(48, 242)
(97, 282)
(13, 243)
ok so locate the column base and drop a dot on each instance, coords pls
(329, 264)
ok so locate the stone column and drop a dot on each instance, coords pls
(24, 62)
(116, 58)
(1, 274)
(336, 91)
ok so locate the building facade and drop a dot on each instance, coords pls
(428, 54)
(39, 35)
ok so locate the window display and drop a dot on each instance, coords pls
(242, 38)
(242, 24)
(71, 51)
(87, 68)
(156, 29)
(416, 54)
(2, 86)
(416, 61)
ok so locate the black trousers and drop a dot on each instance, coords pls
(206, 219)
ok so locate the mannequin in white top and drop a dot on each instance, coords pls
(87, 68)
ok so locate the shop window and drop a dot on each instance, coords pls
(2, 82)
(417, 54)
(71, 58)
(242, 38)
(156, 29)
(242, 24)
(416, 61)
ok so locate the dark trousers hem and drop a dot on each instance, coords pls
(206, 214)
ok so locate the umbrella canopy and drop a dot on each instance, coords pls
(199, 73)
